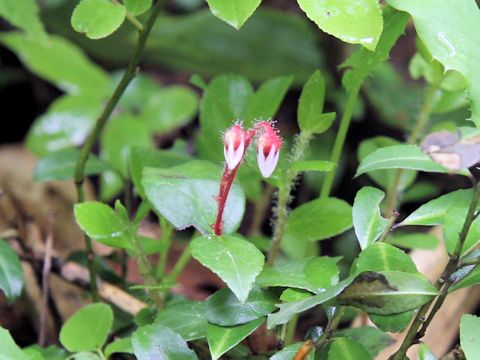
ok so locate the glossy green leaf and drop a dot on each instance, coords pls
(384, 257)
(362, 63)
(313, 165)
(387, 292)
(119, 346)
(399, 157)
(347, 349)
(137, 7)
(169, 109)
(88, 328)
(469, 340)
(433, 212)
(97, 18)
(313, 274)
(289, 352)
(310, 105)
(222, 339)
(384, 178)
(102, 223)
(267, 99)
(368, 223)
(161, 343)
(414, 240)
(185, 196)
(142, 157)
(454, 46)
(372, 339)
(289, 309)
(424, 353)
(223, 308)
(59, 62)
(66, 124)
(233, 12)
(355, 22)
(236, 261)
(393, 323)
(318, 220)
(187, 319)
(10, 350)
(24, 15)
(60, 165)
(11, 272)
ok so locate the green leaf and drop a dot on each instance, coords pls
(66, 124)
(102, 223)
(347, 349)
(267, 99)
(371, 338)
(424, 353)
(310, 105)
(119, 346)
(137, 7)
(84, 356)
(185, 196)
(97, 18)
(358, 22)
(289, 352)
(387, 292)
(454, 46)
(24, 15)
(236, 261)
(222, 339)
(472, 278)
(414, 241)
(49, 353)
(289, 309)
(11, 272)
(384, 178)
(142, 157)
(60, 165)
(399, 157)
(59, 62)
(433, 212)
(187, 319)
(224, 309)
(161, 343)
(313, 274)
(169, 109)
(452, 226)
(384, 257)
(362, 63)
(313, 165)
(291, 294)
(393, 323)
(469, 341)
(368, 223)
(87, 329)
(233, 12)
(318, 220)
(10, 350)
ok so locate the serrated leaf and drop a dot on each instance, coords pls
(161, 343)
(355, 22)
(97, 18)
(233, 12)
(187, 319)
(87, 329)
(236, 261)
(368, 223)
(223, 308)
(185, 196)
(399, 157)
(222, 339)
(60, 165)
(11, 272)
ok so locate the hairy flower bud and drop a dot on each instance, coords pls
(268, 148)
(234, 145)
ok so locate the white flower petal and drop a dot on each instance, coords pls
(267, 164)
(232, 156)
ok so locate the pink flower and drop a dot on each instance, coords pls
(234, 145)
(268, 148)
